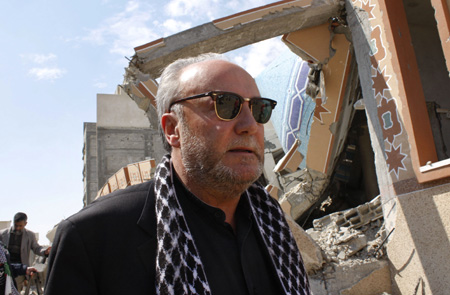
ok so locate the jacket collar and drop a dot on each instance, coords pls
(147, 220)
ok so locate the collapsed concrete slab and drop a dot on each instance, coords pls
(232, 32)
(377, 282)
(354, 217)
(302, 189)
(367, 277)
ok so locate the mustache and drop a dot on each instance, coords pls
(249, 143)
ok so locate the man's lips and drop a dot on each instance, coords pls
(241, 150)
(246, 152)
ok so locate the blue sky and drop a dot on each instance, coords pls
(56, 57)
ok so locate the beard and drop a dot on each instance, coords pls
(204, 163)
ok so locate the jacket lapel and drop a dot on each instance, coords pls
(147, 222)
(5, 237)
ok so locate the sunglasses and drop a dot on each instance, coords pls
(228, 105)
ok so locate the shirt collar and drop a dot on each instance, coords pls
(217, 213)
(13, 231)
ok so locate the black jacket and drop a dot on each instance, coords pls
(109, 247)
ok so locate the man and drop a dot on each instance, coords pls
(202, 226)
(19, 242)
(10, 270)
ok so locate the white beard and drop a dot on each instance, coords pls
(204, 163)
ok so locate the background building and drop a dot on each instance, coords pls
(120, 136)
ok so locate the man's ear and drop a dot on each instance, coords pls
(169, 124)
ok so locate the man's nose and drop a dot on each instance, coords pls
(246, 123)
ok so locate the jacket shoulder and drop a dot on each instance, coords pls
(4, 231)
(114, 206)
(29, 232)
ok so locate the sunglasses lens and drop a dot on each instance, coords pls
(262, 110)
(228, 106)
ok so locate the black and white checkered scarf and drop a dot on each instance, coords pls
(179, 269)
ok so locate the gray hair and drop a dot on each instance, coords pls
(169, 88)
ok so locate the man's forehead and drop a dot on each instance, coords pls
(210, 68)
(189, 73)
(211, 75)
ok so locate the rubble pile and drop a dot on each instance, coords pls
(345, 245)
(354, 234)
(351, 244)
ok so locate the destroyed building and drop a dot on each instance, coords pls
(357, 149)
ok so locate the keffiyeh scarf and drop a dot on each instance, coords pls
(9, 284)
(179, 269)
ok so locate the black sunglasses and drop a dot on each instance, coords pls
(228, 105)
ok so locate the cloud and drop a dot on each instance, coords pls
(38, 58)
(194, 8)
(256, 57)
(237, 5)
(47, 67)
(101, 85)
(212, 9)
(42, 58)
(139, 23)
(125, 30)
(45, 73)
(173, 26)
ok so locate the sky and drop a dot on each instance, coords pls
(56, 56)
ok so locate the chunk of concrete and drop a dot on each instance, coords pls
(291, 160)
(356, 244)
(318, 286)
(375, 283)
(302, 189)
(354, 217)
(354, 277)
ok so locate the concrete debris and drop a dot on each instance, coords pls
(357, 244)
(325, 204)
(339, 244)
(347, 236)
(354, 217)
(302, 189)
(377, 282)
(368, 278)
(348, 241)
(291, 160)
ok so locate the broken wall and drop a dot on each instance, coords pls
(90, 173)
(419, 251)
(5, 224)
(122, 135)
(319, 121)
(401, 136)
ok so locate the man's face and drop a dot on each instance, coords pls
(221, 154)
(20, 225)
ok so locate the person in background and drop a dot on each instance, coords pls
(203, 225)
(9, 270)
(19, 241)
